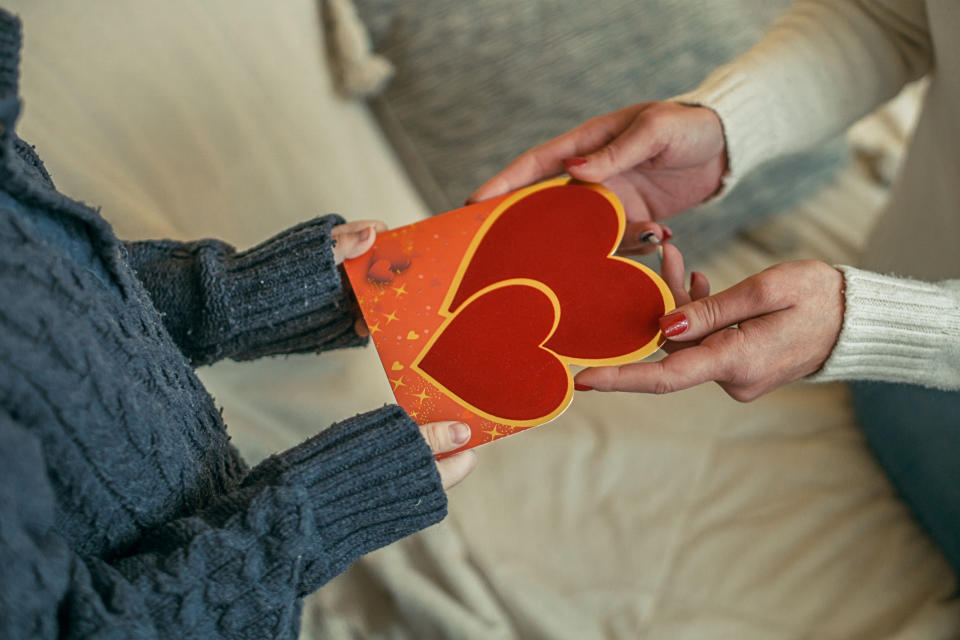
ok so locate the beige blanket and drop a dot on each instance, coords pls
(684, 516)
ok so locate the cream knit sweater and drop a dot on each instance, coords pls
(822, 66)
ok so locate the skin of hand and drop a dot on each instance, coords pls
(447, 436)
(352, 240)
(770, 329)
(659, 158)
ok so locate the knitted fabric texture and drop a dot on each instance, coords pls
(820, 67)
(124, 510)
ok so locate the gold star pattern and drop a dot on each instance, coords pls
(374, 328)
(400, 290)
(423, 395)
(493, 433)
(390, 316)
(397, 383)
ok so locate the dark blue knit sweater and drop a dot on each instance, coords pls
(124, 510)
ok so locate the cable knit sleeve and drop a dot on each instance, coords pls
(897, 330)
(819, 68)
(282, 296)
(234, 570)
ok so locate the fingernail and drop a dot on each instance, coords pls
(674, 324)
(667, 234)
(459, 433)
(649, 237)
(582, 387)
(364, 235)
(660, 253)
(575, 161)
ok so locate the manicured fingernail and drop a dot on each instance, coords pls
(649, 237)
(364, 235)
(582, 387)
(674, 324)
(667, 234)
(575, 161)
(459, 433)
(660, 253)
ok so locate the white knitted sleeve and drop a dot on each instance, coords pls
(897, 330)
(820, 67)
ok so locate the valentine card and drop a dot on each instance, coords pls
(477, 313)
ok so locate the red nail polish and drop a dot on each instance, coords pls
(581, 387)
(575, 161)
(674, 324)
(667, 234)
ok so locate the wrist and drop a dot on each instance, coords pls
(369, 480)
(894, 329)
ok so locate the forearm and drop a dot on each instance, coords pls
(820, 67)
(897, 330)
(282, 296)
(233, 570)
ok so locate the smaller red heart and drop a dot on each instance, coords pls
(495, 363)
(391, 249)
(380, 272)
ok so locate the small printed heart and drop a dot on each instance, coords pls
(413, 335)
(396, 366)
(380, 272)
(391, 249)
(609, 306)
(496, 364)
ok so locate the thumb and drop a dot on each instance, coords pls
(353, 239)
(635, 145)
(756, 296)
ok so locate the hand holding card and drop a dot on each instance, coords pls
(477, 312)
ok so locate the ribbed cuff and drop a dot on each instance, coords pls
(371, 480)
(751, 132)
(10, 39)
(286, 295)
(895, 330)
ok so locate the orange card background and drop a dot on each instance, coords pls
(404, 314)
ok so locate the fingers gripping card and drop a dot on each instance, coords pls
(477, 313)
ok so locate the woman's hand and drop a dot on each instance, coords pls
(774, 327)
(660, 158)
(352, 240)
(447, 436)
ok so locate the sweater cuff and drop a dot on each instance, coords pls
(371, 480)
(287, 295)
(894, 330)
(750, 129)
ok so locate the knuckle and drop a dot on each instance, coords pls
(765, 289)
(709, 312)
(433, 433)
(611, 154)
(538, 165)
(662, 387)
(663, 384)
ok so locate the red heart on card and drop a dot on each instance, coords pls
(494, 363)
(380, 272)
(392, 250)
(563, 236)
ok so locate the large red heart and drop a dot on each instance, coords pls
(497, 364)
(563, 235)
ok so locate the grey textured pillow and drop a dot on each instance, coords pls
(479, 82)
